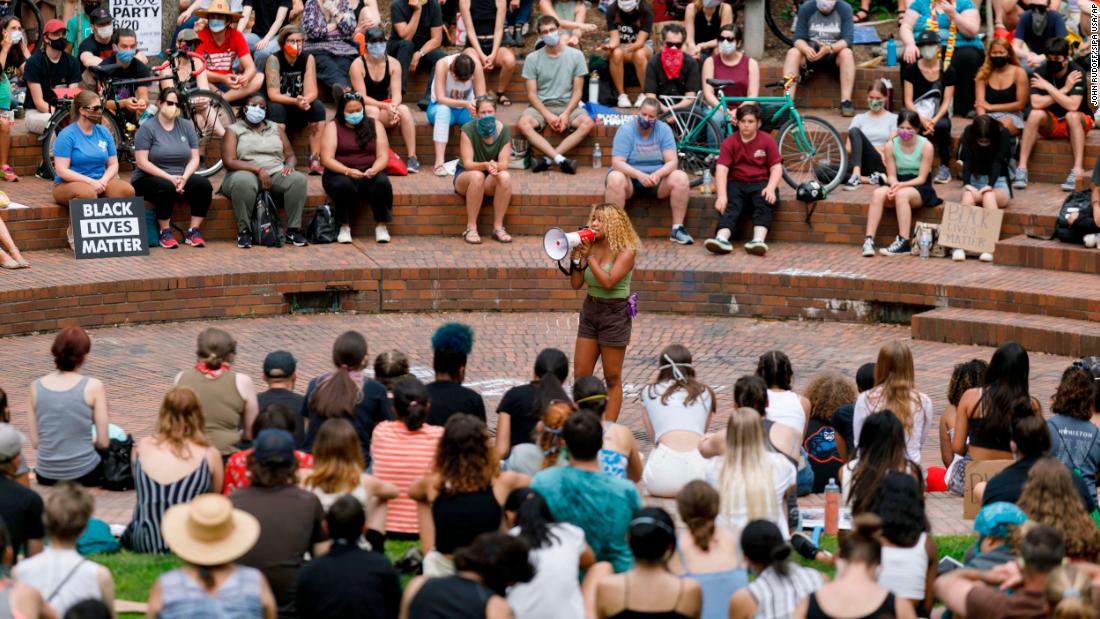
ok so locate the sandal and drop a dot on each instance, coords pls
(440, 171)
(8, 174)
(23, 264)
(11, 264)
(314, 165)
(500, 235)
(860, 16)
(504, 100)
(472, 237)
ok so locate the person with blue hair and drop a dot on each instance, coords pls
(451, 347)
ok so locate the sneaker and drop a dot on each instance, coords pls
(958, 255)
(804, 546)
(624, 101)
(1071, 181)
(295, 236)
(508, 40)
(344, 235)
(244, 239)
(1090, 240)
(166, 240)
(985, 257)
(868, 247)
(194, 238)
(877, 178)
(900, 247)
(853, 183)
(943, 175)
(718, 246)
(640, 100)
(681, 236)
(756, 248)
(541, 164)
(381, 234)
(1020, 181)
(42, 174)
(847, 109)
(315, 168)
(413, 164)
(569, 166)
(423, 104)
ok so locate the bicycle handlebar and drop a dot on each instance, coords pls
(178, 54)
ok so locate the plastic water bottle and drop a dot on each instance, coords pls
(832, 507)
(889, 94)
(925, 243)
(891, 52)
(706, 182)
(597, 156)
(594, 87)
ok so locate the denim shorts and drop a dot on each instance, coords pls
(981, 180)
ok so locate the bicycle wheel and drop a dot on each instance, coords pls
(820, 156)
(31, 19)
(697, 141)
(780, 16)
(212, 116)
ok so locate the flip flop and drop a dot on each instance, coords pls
(504, 100)
(440, 171)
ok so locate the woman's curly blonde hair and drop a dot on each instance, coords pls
(1049, 498)
(617, 228)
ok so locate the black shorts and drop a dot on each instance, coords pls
(607, 321)
(825, 64)
(295, 117)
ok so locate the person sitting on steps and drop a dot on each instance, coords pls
(823, 38)
(382, 95)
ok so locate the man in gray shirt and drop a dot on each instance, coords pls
(823, 38)
(555, 79)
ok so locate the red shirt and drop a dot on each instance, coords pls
(749, 162)
(222, 57)
(236, 469)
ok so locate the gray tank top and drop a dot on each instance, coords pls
(65, 449)
(5, 601)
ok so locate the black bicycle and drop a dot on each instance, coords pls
(206, 109)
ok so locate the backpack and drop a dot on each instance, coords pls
(322, 229)
(117, 474)
(1077, 202)
(265, 222)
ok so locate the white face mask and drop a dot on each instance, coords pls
(826, 6)
(928, 52)
(105, 32)
(727, 47)
(627, 5)
(16, 37)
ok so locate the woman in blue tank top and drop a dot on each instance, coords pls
(705, 553)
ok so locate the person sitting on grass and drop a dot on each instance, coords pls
(22, 600)
(753, 157)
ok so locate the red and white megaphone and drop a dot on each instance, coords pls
(558, 243)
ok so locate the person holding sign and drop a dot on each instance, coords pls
(85, 158)
(167, 154)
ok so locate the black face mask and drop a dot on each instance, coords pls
(88, 8)
(1056, 67)
(998, 61)
(5, 10)
(59, 44)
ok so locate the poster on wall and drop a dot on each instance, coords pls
(144, 18)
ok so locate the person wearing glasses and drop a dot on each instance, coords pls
(672, 73)
(167, 152)
(85, 157)
(733, 64)
(355, 151)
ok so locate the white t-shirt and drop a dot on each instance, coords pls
(783, 475)
(675, 415)
(785, 408)
(876, 130)
(869, 403)
(555, 592)
(47, 570)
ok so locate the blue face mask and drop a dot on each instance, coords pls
(487, 126)
(353, 118)
(125, 56)
(377, 50)
(216, 25)
(255, 114)
(551, 39)
(646, 124)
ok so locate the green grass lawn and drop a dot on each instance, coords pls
(134, 573)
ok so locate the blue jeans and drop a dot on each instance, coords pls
(442, 117)
(260, 55)
(805, 479)
(520, 16)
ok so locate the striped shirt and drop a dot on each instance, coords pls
(777, 595)
(153, 499)
(401, 456)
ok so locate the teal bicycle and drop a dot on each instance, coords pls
(810, 147)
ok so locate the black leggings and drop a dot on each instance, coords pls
(92, 479)
(941, 140)
(864, 154)
(162, 194)
(347, 192)
(966, 61)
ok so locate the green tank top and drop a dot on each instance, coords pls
(618, 291)
(908, 164)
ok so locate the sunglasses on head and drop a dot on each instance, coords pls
(351, 95)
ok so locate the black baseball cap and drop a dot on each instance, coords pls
(101, 16)
(274, 447)
(279, 364)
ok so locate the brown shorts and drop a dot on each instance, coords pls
(605, 320)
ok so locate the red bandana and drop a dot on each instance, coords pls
(672, 59)
(211, 373)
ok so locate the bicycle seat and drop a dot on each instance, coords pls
(104, 71)
(720, 83)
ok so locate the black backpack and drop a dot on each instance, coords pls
(265, 222)
(1079, 202)
(117, 474)
(322, 229)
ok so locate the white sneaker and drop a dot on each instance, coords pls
(624, 100)
(1090, 240)
(640, 100)
(345, 234)
(381, 234)
(958, 255)
(986, 257)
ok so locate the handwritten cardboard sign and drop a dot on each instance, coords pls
(976, 473)
(972, 228)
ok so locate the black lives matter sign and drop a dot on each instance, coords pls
(108, 227)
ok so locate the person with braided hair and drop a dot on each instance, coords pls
(530, 458)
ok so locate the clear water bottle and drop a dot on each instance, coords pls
(597, 156)
(594, 87)
(925, 243)
(706, 182)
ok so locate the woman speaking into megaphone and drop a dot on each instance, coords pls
(605, 265)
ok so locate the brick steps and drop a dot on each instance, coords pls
(1053, 335)
(795, 281)
(1050, 255)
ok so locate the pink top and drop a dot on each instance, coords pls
(401, 456)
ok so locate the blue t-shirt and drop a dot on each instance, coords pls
(600, 504)
(922, 7)
(87, 154)
(1037, 43)
(644, 154)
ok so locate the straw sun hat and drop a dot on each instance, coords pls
(209, 531)
(218, 7)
